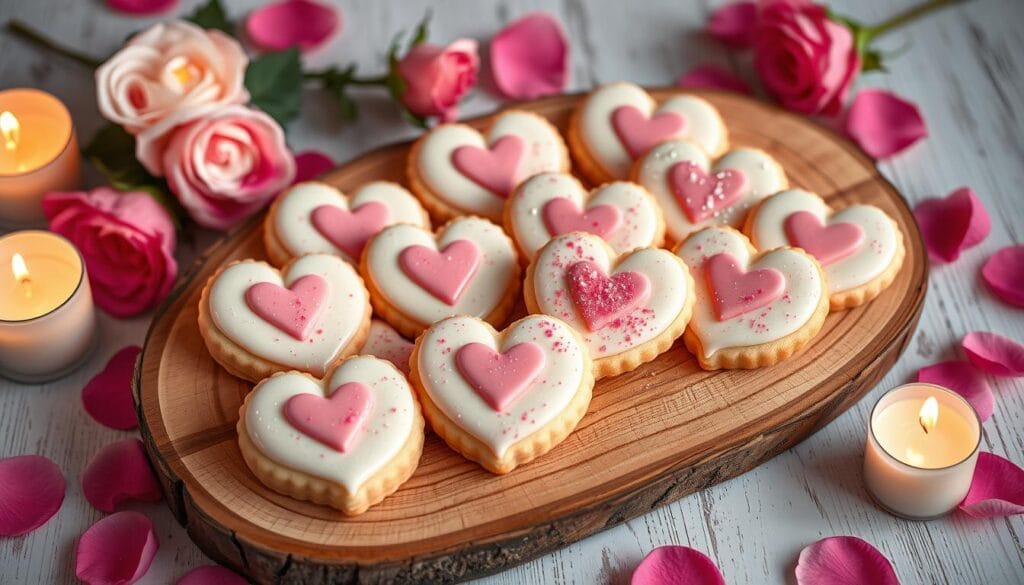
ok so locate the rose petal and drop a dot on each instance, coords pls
(530, 57)
(1003, 272)
(996, 490)
(31, 492)
(211, 575)
(311, 164)
(290, 23)
(141, 7)
(884, 124)
(734, 24)
(714, 77)
(107, 397)
(116, 550)
(994, 354)
(118, 472)
(844, 560)
(677, 565)
(963, 379)
(953, 224)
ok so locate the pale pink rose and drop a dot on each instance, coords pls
(437, 77)
(226, 164)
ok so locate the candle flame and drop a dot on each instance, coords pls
(10, 129)
(19, 268)
(929, 414)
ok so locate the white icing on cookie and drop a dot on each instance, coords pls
(385, 431)
(340, 318)
(387, 344)
(546, 398)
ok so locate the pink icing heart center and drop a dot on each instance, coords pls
(735, 292)
(349, 230)
(828, 243)
(702, 195)
(500, 378)
(295, 310)
(495, 169)
(602, 300)
(562, 216)
(334, 421)
(445, 273)
(640, 133)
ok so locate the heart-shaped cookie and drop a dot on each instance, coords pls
(456, 171)
(318, 218)
(415, 278)
(502, 399)
(694, 194)
(752, 309)
(628, 308)
(348, 441)
(551, 204)
(386, 343)
(620, 122)
(257, 320)
(860, 247)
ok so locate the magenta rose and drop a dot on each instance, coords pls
(127, 241)
(437, 77)
(805, 60)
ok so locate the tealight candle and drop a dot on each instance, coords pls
(38, 154)
(47, 320)
(921, 450)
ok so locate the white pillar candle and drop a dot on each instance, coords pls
(921, 450)
(47, 320)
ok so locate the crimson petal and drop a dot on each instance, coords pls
(714, 77)
(107, 397)
(311, 164)
(118, 472)
(142, 7)
(884, 124)
(844, 560)
(116, 550)
(953, 224)
(1003, 272)
(996, 490)
(211, 575)
(290, 23)
(994, 354)
(677, 565)
(31, 492)
(963, 379)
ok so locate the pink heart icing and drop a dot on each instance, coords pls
(701, 195)
(500, 378)
(562, 216)
(349, 230)
(735, 291)
(336, 420)
(495, 169)
(601, 300)
(294, 310)
(828, 243)
(445, 273)
(640, 133)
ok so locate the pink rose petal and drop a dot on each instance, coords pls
(142, 7)
(994, 354)
(962, 378)
(116, 550)
(953, 224)
(1003, 272)
(211, 575)
(311, 164)
(290, 23)
(714, 77)
(118, 472)
(734, 24)
(31, 492)
(996, 490)
(677, 565)
(530, 57)
(884, 124)
(107, 397)
(844, 560)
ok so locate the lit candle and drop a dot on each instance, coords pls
(921, 450)
(47, 320)
(38, 154)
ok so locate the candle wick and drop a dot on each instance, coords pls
(924, 427)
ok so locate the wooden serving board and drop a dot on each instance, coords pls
(651, 436)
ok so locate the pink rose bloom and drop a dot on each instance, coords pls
(437, 77)
(804, 59)
(127, 241)
(226, 163)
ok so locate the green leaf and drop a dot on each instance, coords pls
(422, 30)
(274, 81)
(871, 60)
(212, 15)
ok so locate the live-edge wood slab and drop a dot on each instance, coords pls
(651, 436)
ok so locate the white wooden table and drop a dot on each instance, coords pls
(964, 67)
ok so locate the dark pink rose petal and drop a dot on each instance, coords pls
(884, 124)
(962, 378)
(953, 224)
(289, 23)
(844, 560)
(311, 164)
(734, 24)
(1003, 272)
(118, 472)
(996, 490)
(994, 354)
(108, 396)
(142, 7)
(211, 575)
(677, 565)
(31, 492)
(530, 57)
(714, 77)
(116, 550)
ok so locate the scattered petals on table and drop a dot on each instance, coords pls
(953, 224)
(311, 164)
(734, 24)
(116, 550)
(1003, 272)
(530, 57)
(677, 565)
(107, 397)
(844, 560)
(714, 77)
(963, 379)
(31, 492)
(142, 7)
(119, 472)
(994, 354)
(211, 575)
(292, 23)
(884, 124)
(997, 488)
